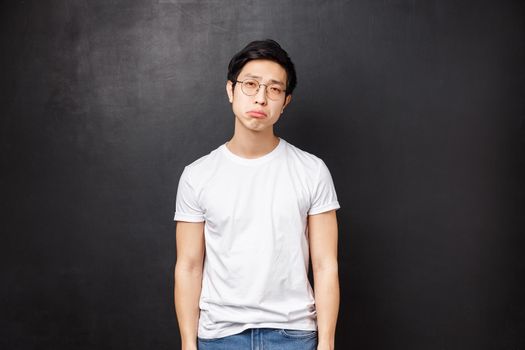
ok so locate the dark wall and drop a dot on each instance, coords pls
(417, 107)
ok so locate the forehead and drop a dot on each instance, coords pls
(266, 70)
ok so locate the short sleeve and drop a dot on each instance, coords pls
(186, 205)
(324, 197)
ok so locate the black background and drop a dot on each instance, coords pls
(417, 108)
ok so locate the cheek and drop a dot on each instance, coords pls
(238, 106)
(276, 110)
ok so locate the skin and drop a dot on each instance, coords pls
(323, 232)
(254, 137)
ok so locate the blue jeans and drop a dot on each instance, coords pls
(262, 339)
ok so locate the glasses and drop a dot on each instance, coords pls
(250, 87)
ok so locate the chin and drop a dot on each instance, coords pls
(256, 127)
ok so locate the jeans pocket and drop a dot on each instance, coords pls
(298, 333)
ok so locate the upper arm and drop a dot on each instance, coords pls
(323, 196)
(322, 233)
(190, 244)
(190, 220)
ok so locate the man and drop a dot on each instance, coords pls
(249, 216)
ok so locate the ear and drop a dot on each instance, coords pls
(286, 102)
(229, 90)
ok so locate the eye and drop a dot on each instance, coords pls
(275, 89)
(250, 83)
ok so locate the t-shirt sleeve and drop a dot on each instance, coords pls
(186, 205)
(324, 197)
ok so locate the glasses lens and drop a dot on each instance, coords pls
(274, 92)
(250, 87)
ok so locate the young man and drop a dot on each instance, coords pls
(249, 216)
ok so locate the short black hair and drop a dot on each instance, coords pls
(263, 49)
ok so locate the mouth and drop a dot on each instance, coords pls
(257, 114)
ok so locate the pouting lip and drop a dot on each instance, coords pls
(258, 112)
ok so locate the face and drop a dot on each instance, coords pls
(245, 107)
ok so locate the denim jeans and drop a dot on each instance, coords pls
(262, 339)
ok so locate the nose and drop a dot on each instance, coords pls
(260, 96)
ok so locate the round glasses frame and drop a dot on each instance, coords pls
(257, 90)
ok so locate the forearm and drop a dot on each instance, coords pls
(188, 284)
(326, 287)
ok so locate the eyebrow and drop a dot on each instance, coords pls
(258, 77)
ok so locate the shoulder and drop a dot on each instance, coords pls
(201, 168)
(309, 162)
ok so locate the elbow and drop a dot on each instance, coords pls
(188, 266)
(327, 265)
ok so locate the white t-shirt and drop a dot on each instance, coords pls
(257, 253)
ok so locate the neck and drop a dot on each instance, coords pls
(247, 143)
